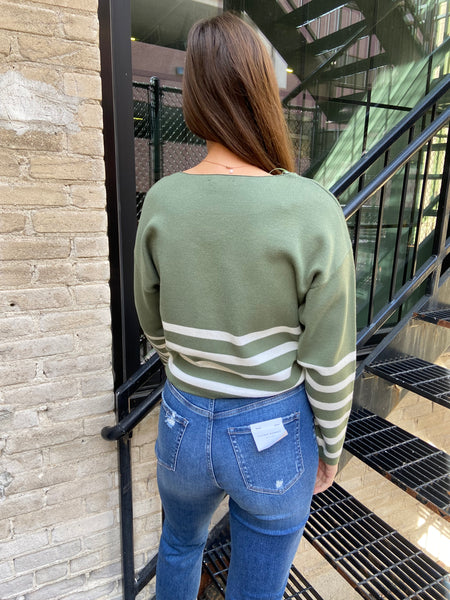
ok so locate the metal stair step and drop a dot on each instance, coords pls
(420, 376)
(374, 558)
(414, 465)
(336, 39)
(439, 317)
(311, 11)
(216, 560)
(358, 66)
(341, 109)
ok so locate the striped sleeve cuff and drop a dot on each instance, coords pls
(159, 344)
(330, 394)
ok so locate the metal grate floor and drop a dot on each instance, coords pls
(415, 466)
(438, 317)
(373, 557)
(417, 375)
(216, 560)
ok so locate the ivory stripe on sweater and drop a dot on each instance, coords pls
(237, 340)
(325, 424)
(279, 376)
(153, 337)
(328, 389)
(330, 441)
(330, 370)
(327, 453)
(227, 359)
(331, 406)
(161, 347)
(232, 390)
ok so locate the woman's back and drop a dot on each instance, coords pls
(233, 259)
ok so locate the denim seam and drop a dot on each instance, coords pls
(201, 411)
(261, 402)
(209, 447)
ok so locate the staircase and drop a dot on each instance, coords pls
(360, 65)
(374, 558)
(331, 35)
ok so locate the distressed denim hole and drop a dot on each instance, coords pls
(171, 429)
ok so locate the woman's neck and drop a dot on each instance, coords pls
(221, 161)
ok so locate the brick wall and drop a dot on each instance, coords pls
(59, 535)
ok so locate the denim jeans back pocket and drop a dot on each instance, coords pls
(171, 429)
(274, 470)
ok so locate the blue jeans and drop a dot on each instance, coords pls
(205, 450)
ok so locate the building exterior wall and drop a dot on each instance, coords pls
(59, 531)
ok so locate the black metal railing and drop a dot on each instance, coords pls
(136, 398)
(408, 122)
(409, 242)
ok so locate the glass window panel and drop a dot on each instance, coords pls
(347, 73)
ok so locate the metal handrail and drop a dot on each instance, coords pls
(433, 265)
(131, 419)
(387, 173)
(392, 136)
(128, 419)
(402, 295)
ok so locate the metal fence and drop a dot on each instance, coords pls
(164, 144)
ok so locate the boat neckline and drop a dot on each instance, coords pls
(229, 175)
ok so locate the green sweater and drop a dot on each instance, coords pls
(245, 288)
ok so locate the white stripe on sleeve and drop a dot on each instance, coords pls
(330, 370)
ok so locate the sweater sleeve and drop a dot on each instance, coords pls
(147, 292)
(327, 353)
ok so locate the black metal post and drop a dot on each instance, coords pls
(157, 137)
(376, 251)
(420, 211)
(149, 134)
(400, 222)
(126, 518)
(117, 102)
(442, 219)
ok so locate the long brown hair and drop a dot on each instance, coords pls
(230, 93)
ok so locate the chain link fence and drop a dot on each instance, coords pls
(164, 145)
(143, 147)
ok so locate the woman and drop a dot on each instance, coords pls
(244, 284)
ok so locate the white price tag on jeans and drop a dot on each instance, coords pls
(268, 433)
